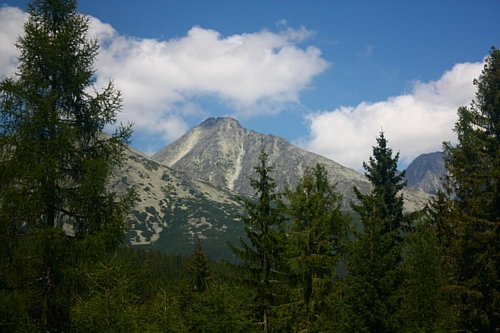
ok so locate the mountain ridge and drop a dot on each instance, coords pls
(221, 151)
(199, 194)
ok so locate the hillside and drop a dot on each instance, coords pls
(171, 208)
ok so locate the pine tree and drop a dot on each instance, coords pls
(474, 168)
(198, 266)
(55, 162)
(374, 275)
(317, 229)
(262, 254)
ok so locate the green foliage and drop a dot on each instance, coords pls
(220, 309)
(423, 306)
(55, 163)
(198, 266)
(373, 262)
(474, 205)
(148, 291)
(262, 258)
(381, 211)
(130, 291)
(318, 229)
(113, 302)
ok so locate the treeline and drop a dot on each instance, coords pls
(303, 266)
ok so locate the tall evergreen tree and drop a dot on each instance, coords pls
(198, 267)
(317, 229)
(55, 161)
(262, 254)
(474, 168)
(374, 275)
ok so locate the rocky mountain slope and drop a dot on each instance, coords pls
(223, 153)
(426, 173)
(193, 186)
(171, 208)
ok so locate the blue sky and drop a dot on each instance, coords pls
(326, 75)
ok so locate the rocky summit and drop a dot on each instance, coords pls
(426, 173)
(222, 152)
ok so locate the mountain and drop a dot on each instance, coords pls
(192, 187)
(223, 153)
(426, 173)
(172, 207)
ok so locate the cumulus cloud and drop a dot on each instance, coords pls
(11, 27)
(414, 123)
(250, 73)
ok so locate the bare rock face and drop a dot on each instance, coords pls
(426, 173)
(223, 153)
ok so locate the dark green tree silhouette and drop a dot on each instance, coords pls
(198, 266)
(318, 228)
(473, 165)
(423, 306)
(55, 163)
(373, 264)
(262, 254)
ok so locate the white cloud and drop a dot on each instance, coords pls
(258, 73)
(11, 27)
(251, 73)
(414, 123)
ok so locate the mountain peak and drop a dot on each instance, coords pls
(223, 153)
(220, 121)
(427, 172)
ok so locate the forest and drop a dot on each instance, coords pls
(304, 264)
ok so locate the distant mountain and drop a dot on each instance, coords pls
(192, 187)
(426, 173)
(172, 207)
(223, 153)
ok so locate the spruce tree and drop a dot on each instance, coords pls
(262, 253)
(198, 267)
(318, 228)
(55, 163)
(474, 192)
(373, 264)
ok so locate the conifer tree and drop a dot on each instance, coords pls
(474, 190)
(55, 163)
(198, 266)
(423, 305)
(374, 274)
(317, 229)
(262, 254)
